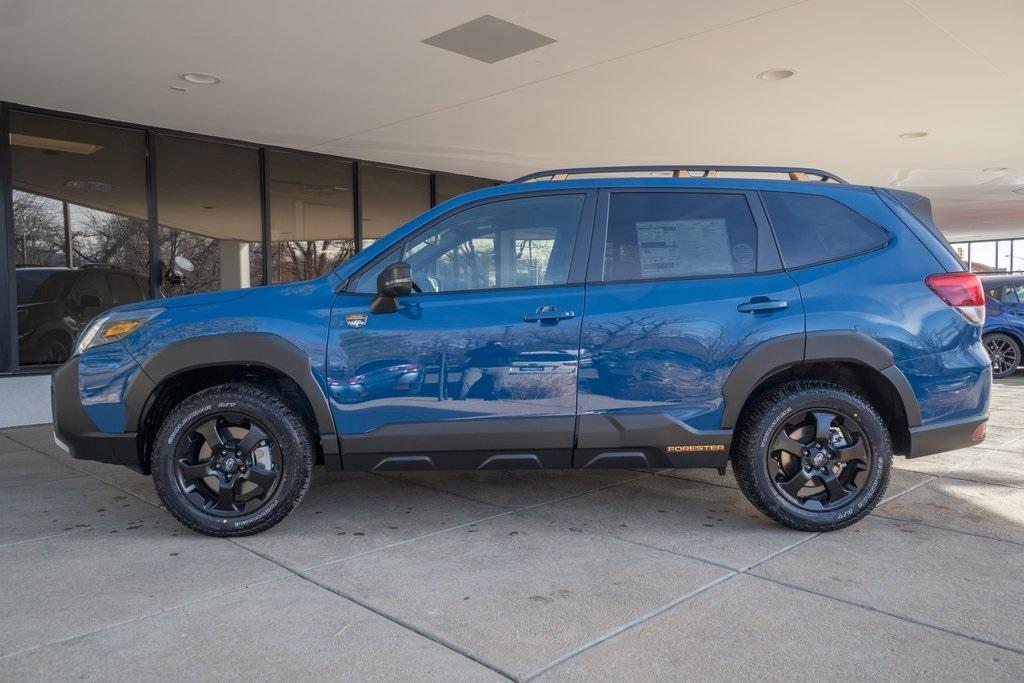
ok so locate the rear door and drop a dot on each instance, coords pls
(681, 285)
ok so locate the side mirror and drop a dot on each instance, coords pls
(393, 282)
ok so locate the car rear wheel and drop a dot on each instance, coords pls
(1005, 353)
(232, 460)
(813, 456)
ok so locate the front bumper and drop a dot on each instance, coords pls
(74, 429)
(944, 436)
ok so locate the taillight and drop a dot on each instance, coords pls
(963, 292)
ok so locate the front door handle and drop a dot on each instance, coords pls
(762, 304)
(545, 314)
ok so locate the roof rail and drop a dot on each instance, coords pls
(684, 171)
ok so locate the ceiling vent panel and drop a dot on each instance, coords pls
(489, 39)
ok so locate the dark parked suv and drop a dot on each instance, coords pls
(54, 304)
(806, 331)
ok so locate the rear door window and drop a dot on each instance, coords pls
(656, 235)
(814, 229)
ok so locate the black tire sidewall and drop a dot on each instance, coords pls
(284, 428)
(838, 401)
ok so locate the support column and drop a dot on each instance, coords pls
(234, 264)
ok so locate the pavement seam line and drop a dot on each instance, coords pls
(141, 617)
(91, 474)
(894, 615)
(743, 571)
(697, 481)
(622, 628)
(443, 642)
(503, 513)
(987, 483)
(931, 478)
(946, 528)
(733, 573)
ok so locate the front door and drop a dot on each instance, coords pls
(479, 369)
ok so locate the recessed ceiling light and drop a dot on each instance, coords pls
(913, 134)
(178, 88)
(776, 74)
(995, 169)
(200, 78)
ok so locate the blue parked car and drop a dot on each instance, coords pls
(1004, 322)
(804, 331)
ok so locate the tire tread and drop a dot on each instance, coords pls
(746, 453)
(273, 404)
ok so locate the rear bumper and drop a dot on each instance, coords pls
(944, 436)
(77, 433)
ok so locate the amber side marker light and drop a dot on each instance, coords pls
(121, 329)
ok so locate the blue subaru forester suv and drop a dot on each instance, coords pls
(646, 317)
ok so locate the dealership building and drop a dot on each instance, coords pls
(189, 147)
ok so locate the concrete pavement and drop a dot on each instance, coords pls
(490, 575)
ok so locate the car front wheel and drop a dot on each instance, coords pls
(232, 460)
(812, 455)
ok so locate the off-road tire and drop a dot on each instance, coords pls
(752, 448)
(285, 425)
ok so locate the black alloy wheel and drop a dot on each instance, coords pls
(1004, 352)
(232, 460)
(228, 464)
(813, 455)
(819, 459)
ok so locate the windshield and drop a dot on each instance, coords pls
(35, 286)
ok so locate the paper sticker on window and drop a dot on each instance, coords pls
(684, 247)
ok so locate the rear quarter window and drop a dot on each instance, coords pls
(814, 229)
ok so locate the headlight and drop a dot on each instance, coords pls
(113, 327)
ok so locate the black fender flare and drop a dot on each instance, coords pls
(790, 350)
(262, 349)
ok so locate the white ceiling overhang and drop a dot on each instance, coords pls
(661, 81)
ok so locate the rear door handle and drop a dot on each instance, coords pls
(545, 314)
(762, 304)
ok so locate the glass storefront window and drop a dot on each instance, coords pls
(79, 227)
(1003, 250)
(961, 250)
(983, 256)
(208, 206)
(312, 221)
(450, 185)
(1018, 256)
(391, 196)
(39, 237)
